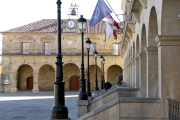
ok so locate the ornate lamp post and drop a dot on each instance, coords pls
(88, 44)
(82, 28)
(96, 81)
(103, 72)
(59, 110)
(102, 80)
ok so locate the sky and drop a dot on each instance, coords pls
(15, 13)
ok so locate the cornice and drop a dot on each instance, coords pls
(47, 38)
(142, 55)
(168, 40)
(151, 50)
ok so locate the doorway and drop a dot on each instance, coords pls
(30, 83)
(74, 83)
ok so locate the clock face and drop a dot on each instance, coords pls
(71, 24)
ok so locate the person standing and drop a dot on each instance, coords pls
(118, 80)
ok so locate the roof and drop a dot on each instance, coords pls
(50, 26)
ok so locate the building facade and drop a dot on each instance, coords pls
(150, 48)
(29, 56)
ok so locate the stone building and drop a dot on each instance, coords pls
(29, 56)
(150, 48)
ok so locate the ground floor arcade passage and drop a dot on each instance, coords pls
(71, 75)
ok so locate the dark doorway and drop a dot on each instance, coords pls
(30, 83)
(74, 83)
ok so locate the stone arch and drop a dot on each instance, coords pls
(153, 28)
(131, 56)
(143, 43)
(46, 77)
(69, 70)
(133, 50)
(152, 56)
(20, 65)
(24, 72)
(92, 76)
(39, 66)
(137, 46)
(143, 64)
(112, 70)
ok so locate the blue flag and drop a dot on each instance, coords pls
(100, 12)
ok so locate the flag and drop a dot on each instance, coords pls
(109, 31)
(101, 11)
(114, 25)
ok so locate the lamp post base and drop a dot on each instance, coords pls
(82, 96)
(88, 93)
(61, 119)
(96, 88)
(59, 112)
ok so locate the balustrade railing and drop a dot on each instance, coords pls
(173, 109)
(54, 51)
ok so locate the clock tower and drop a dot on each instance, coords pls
(71, 24)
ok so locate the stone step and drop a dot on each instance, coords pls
(134, 107)
(101, 92)
(111, 94)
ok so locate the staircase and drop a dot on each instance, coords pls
(122, 102)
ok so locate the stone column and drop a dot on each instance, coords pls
(133, 72)
(136, 71)
(152, 71)
(35, 83)
(142, 75)
(13, 80)
(130, 72)
(1, 84)
(127, 73)
(168, 70)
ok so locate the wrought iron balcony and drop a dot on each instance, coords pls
(54, 51)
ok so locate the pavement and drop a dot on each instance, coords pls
(26, 105)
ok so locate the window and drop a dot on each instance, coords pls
(115, 49)
(92, 48)
(25, 48)
(47, 48)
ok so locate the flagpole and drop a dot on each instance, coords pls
(113, 11)
(119, 38)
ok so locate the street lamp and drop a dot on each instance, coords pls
(59, 110)
(82, 28)
(88, 44)
(96, 81)
(103, 72)
(102, 80)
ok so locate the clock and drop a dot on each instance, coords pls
(71, 24)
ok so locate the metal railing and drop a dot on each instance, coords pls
(54, 51)
(173, 109)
